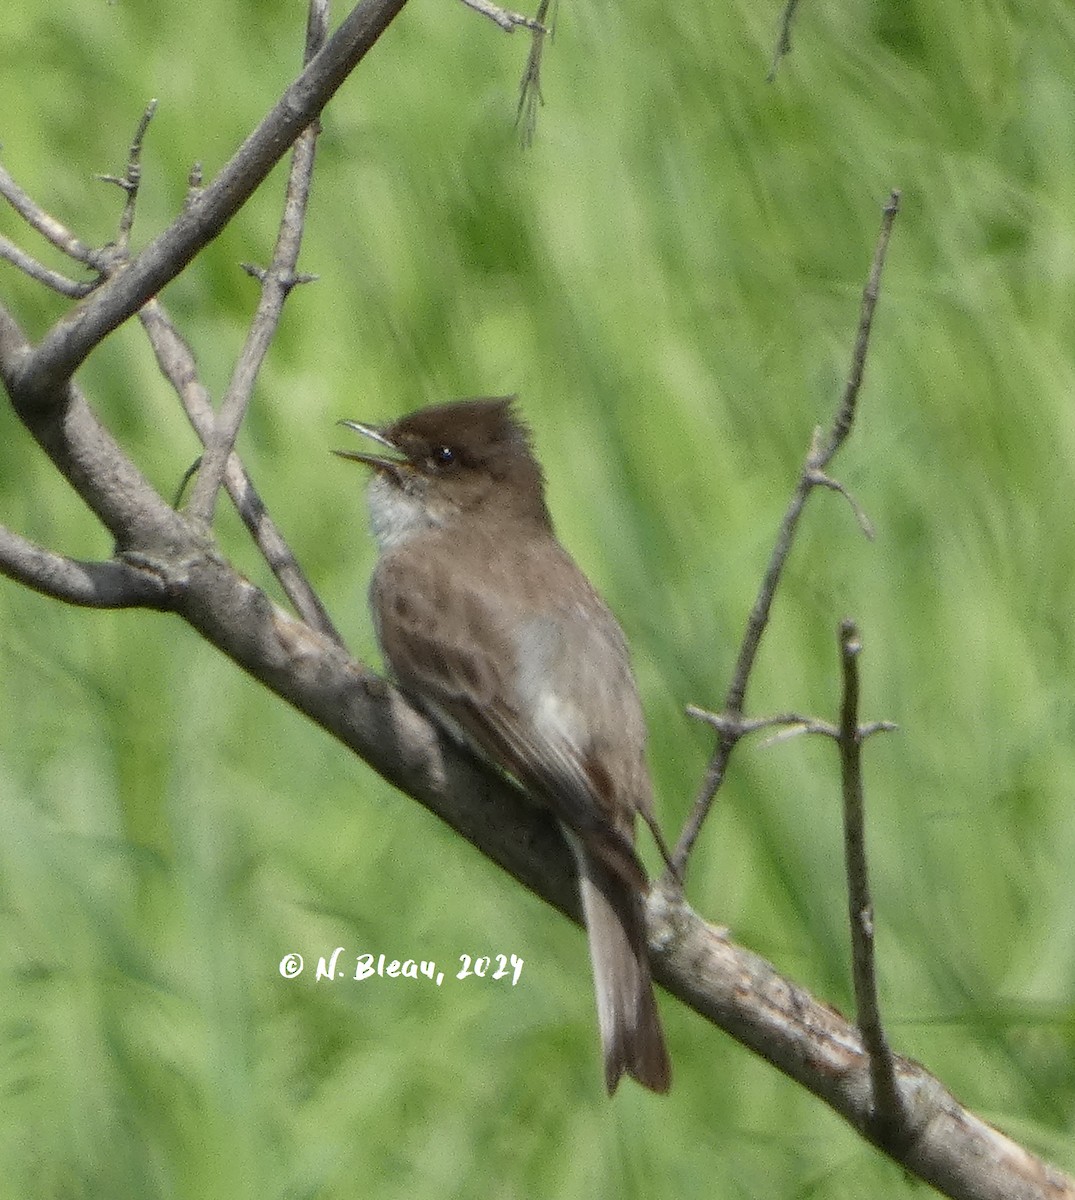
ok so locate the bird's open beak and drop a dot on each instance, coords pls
(379, 463)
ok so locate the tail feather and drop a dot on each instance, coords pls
(631, 1037)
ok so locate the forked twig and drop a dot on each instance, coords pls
(104, 260)
(276, 284)
(129, 182)
(530, 98)
(813, 475)
(177, 363)
(106, 585)
(39, 273)
(54, 232)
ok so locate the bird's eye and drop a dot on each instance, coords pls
(443, 456)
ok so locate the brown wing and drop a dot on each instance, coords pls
(541, 689)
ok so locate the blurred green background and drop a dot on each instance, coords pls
(670, 280)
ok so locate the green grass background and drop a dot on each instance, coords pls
(670, 279)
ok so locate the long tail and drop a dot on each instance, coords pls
(631, 1036)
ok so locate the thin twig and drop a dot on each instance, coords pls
(276, 285)
(787, 726)
(507, 20)
(825, 729)
(783, 41)
(820, 479)
(105, 260)
(812, 475)
(261, 275)
(890, 1116)
(130, 181)
(176, 361)
(42, 274)
(846, 414)
(530, 97)
(953, 1149)
(45, 224)
(741, 726)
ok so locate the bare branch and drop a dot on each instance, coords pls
(530, 98)
(890, 1117)
(104, 260)
(276, 285)
(90, 584)
(42, 274)
(66, 345)
(317, 14)
(787, 725)
(261, 275)
(90, 459)
(812, 475)
(507, 20)
(801, 729)
(730, 986)
(737, 727)
(846, 415)
(130, 181)
(946, 1145)
(52, 230)
(176, 361)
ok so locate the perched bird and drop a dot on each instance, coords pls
(487, 623)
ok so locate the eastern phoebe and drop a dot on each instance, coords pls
(487, 623)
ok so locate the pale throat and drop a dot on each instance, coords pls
(396, 515)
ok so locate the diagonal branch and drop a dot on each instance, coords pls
(89, 584)
(91, 460)
(738, 991)
(40, 376)
(946, 1145)
(812, 475)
